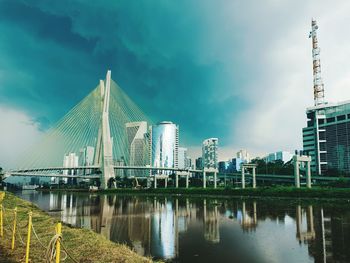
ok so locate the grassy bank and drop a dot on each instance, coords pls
(288, 192)
(82, 244)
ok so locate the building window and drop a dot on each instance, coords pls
(320, 121)
(341, 118)
(322, 135)
(331, 119)
(323, 157)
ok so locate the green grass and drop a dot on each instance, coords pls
(83, 244)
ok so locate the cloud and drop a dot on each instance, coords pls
(237, 70)
(17, 133)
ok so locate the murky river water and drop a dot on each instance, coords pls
(209, 229)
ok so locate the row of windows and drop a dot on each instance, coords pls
(332, 119)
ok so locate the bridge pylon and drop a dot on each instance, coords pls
(104, 143)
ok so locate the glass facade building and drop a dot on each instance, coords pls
(164, 141)
(327, 138)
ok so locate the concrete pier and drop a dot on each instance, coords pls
(204, 180)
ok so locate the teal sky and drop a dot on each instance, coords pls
(237, 70)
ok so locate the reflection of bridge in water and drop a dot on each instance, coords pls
(163, 226)
(154, 225)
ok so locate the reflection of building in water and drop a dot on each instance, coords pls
(332, 238)
(248, 220)
(309, 234)
(211, 223)
(71, 209)
(164, 230)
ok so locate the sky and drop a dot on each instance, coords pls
(237, 70)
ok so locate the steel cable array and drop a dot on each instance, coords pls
(80, 127)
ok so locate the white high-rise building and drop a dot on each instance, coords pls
(69, 160)
(86, 156)
(164, 145)
(210, 153)
(244, 156)
(137, 146)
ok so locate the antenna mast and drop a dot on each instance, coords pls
(316, 64)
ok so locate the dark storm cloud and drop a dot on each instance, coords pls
(55, 52)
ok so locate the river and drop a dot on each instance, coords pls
(179, 229)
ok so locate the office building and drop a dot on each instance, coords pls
(164, 145)
(182, 158)
(210, 153)
(223, 166)
(279, 156)
(199, 163)
(244, 156)
(137, 146)
(86, 156)
(235, 165)
(70, 160)
(327, 137)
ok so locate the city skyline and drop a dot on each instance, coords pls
(53, 45)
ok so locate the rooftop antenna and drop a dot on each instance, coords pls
(316, 65)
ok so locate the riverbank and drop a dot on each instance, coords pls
(82, 244)
(273, 191)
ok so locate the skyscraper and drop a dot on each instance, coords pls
(210, 153)
(137, 146)
(164, 144)
(244, 156)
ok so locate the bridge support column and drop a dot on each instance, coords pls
(243, 178)
(187, 175)
(155, 182)
(254, 178)
(176, 180)
(215, 180)
(166, 182)
(308, 175)
(204, 180)
(296, 174)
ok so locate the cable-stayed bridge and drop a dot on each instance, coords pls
(94, 141)
(95, 129)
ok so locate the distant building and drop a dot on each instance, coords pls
(244, 156)
(223, 166)
(70, 160)
(210, 153)
(199, 163)
(281, 156)
(164, 145)
(86, 156)
(182, 158)
(188, 162)
(235, 165)
(326, 138)
(137, 146)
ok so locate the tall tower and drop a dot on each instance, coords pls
(104, 144)
(316, 65)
